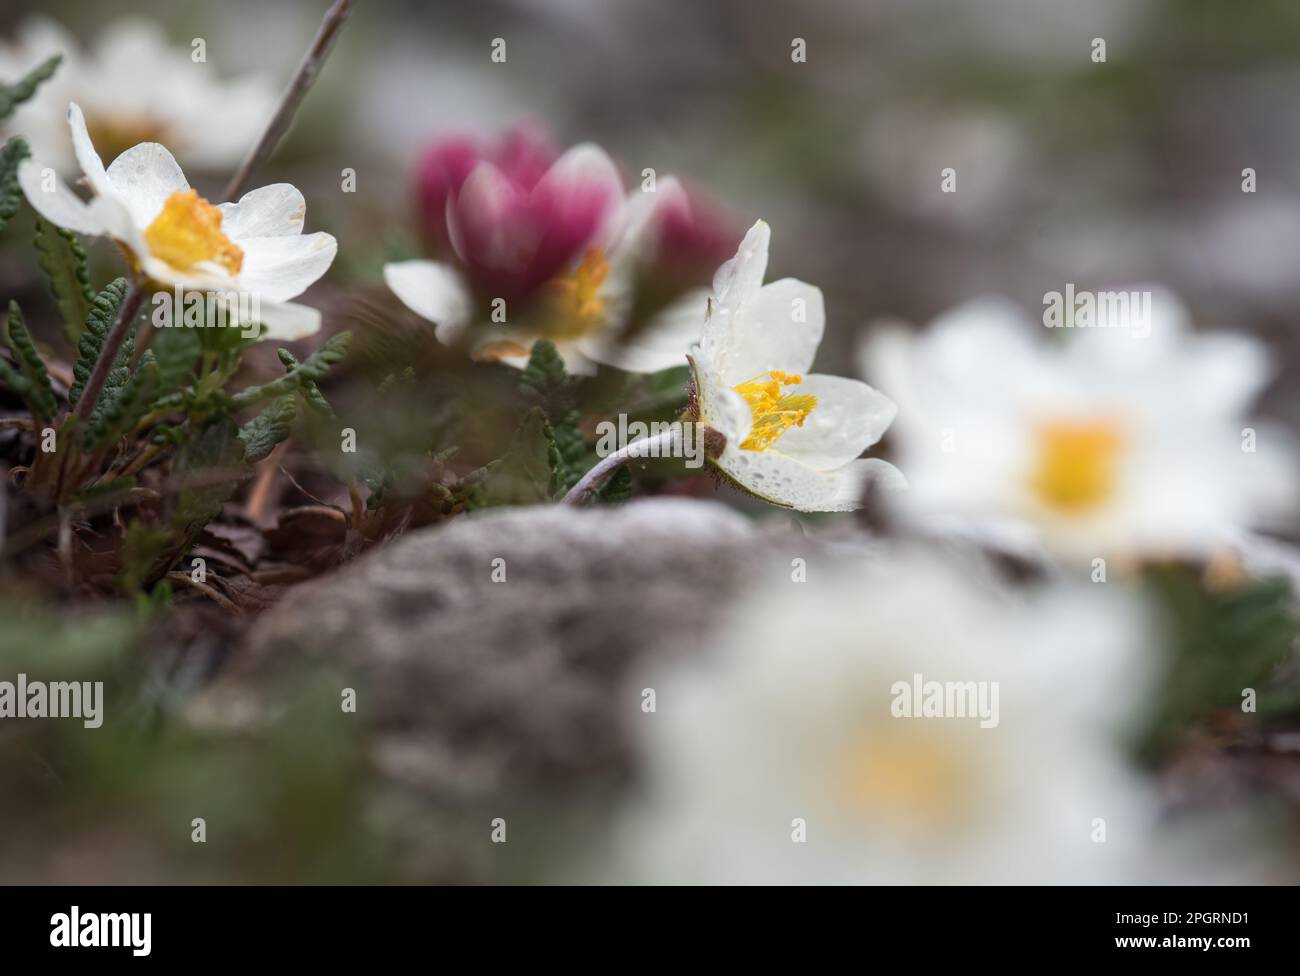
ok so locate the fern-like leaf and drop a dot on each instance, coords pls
(13, 95)
(61, 257)
(11, 194)
(41, 397)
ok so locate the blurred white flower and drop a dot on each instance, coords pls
(1129, 440)
(174, 237)
(135, 86)
(796, 722)
(792, 440)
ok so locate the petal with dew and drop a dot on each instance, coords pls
(784, 481)
(849, 417)
(143, 178)
(727, 412)
(780, 328)
(277, 210)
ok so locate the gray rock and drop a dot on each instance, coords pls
(471, 690)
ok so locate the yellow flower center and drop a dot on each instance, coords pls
(1075, 470)
(576, 304)
(909, 775)
(188, 233)
(774, 410)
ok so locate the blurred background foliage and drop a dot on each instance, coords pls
(1067, 170)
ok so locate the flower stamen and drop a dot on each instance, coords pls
(1075, 471)
(774, 411)
(188, 232)
(578, 306)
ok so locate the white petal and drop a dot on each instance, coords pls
(277, 210)
(143, 178)
(780, 327)
(204, 277)
(1228, 371)
(87, 158)
(784, 481)
(59, 206)
(726, 411)
(849, 417)
(663, 343)
(280, 268)
(433, 291)
(735, 286)
(739, 279)
(112, 215)
(286, 321)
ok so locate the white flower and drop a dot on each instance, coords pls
(135, 87)
(1130, 440)
(803, 718)
(791, 439)
(255, 247)
(577, 213)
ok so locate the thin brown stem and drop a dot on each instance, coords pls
(301, 83)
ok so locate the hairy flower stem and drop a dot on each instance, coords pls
(108, 351)
(660, 445)
(301, 83)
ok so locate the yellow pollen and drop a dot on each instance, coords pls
(577, 305)
(188, 233)
(1075, 470)
(774, 412)
(907, 777)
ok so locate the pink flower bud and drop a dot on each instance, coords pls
(513, 236)
(693, 236)
(523, 154)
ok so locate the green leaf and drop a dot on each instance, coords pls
(41, 399)
(211, 467)
(545, 382)
(618, 488)
(123, 405)
(208, 470)
(571, 448)
(1223, 641)
(268, 428)
(18, 384)
(13, 95)
(103, 312)
(11, 195)
(61, 257)
(525, 475)
(177, 350)
(544, 376)
(311, 370)
(311, 393)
